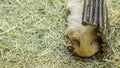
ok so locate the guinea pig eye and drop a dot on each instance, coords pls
(76, 42)
(91, 42)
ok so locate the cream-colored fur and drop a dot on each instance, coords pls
(83, 38)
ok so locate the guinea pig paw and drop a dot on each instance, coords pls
(100, 55)
(75, 36)
(70, 48)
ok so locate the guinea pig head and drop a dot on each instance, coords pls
(85, 43)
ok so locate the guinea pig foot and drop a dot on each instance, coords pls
(100, 55)
(75, 36)
(70, 48)
(104, 49)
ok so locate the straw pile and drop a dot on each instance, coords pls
(32, 36)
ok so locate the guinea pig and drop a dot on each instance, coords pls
(83, 39)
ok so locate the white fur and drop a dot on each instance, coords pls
(84, 34)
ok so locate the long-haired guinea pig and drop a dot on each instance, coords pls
(83, 39)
